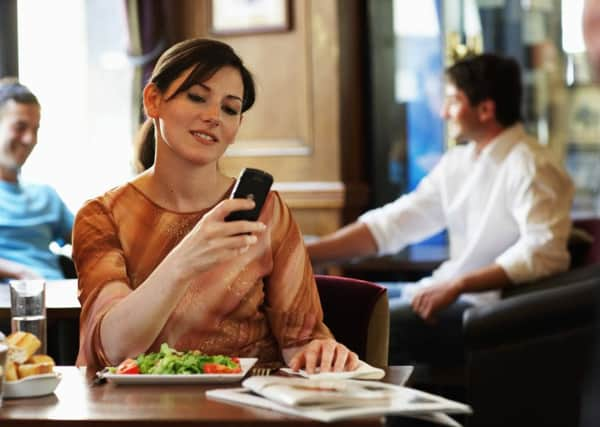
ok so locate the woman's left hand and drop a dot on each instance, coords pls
(327, 355)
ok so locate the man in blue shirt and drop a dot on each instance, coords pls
(31, 215)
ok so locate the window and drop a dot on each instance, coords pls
(71, 57)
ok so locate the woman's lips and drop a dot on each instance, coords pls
(204, 137)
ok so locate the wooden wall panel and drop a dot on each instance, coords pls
(295, 128)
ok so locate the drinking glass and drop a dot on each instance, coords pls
(28, 308)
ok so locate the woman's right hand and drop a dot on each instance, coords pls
(214, 240)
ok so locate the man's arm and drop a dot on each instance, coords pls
(483, 279)
(428, 301)
(352, 241)
(14, 270)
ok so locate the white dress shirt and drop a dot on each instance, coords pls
(509, 205)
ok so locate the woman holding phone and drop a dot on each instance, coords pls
(156, 260)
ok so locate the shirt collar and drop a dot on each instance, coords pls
(502, 143)
(12, 187)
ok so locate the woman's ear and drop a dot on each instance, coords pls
(152, 97)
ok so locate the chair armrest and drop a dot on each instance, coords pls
(532, 314)
(554, 281)
(378, 333)
(67, 267)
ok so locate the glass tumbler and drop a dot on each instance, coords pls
(28, 308)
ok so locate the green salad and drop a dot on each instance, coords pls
(171, 361)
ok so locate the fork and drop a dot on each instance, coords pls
(261, 371)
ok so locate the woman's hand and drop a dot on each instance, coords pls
(213, 240)
(327, 355)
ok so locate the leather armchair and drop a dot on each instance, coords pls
(356, 312)
(527, 355)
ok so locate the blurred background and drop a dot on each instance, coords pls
(349, 91)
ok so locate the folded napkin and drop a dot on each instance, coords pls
(363, 372)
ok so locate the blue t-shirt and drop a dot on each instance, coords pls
(31, 217)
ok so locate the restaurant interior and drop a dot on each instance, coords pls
(347, 118)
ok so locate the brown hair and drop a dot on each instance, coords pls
(11, 89)
(491, 76)
(206, 56)
(143, 147)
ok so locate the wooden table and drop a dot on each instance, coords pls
(409, 265)
(78, 403)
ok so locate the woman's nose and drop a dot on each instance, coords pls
(212, 114)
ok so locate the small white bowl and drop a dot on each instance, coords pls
(32, 386)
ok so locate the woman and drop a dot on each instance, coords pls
(158, 263)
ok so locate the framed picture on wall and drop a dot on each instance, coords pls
(237, 17)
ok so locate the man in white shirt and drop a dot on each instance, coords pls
(504, 201)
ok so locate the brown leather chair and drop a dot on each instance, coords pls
(356, 311)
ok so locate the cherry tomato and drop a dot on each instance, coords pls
(215, 368)
(128, 366)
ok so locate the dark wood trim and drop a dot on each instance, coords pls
(9, 57)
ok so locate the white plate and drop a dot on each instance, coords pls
(245, 362)
(32, 386)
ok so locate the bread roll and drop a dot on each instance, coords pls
(17, 355)
(22, 362)
(28, 369)
(10, 371)
(26, 342)
(41, 358)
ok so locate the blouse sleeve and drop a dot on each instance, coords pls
(293, 306)
(99, 259)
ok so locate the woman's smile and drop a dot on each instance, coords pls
(204, 137)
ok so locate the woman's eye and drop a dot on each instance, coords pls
(195, 98)
(231, 111)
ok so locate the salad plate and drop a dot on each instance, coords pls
(245, 363)
(32, 386)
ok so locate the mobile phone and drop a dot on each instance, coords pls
(251, 184)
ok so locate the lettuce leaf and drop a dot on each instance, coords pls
(171, 361)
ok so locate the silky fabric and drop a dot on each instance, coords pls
(250, 306)
(509, 205)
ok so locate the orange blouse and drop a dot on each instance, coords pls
(250, 306)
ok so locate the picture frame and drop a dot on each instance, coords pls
(243, 17)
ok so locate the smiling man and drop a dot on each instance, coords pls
(31, 216)
(504, 201)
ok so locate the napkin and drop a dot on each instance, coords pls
(363, 372)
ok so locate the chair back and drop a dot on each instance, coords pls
(588, 252)
(357, 313)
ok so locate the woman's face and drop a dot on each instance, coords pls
(199, 123)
